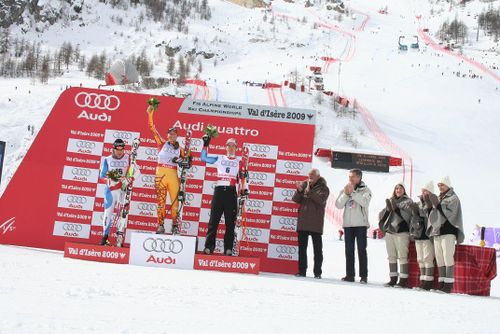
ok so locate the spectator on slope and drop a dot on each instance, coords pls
(446, 229)
(311, 195)
(418, 232)
(355, 200)
(394, 222)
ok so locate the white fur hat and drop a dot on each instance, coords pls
(429, 186)
(446, 181)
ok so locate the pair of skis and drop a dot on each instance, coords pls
(243, 196)
(181, 197)
(124, 208)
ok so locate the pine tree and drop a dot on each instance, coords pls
(171, 66)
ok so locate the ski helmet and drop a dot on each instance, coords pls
(118, 143)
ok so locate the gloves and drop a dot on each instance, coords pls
(427, 201)
(206, 140)
(434, 200)
(243, 174)
(183, 163)
(388, 205)
(415, 209)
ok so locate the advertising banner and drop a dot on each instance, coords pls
(61, 171)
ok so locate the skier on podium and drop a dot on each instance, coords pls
(224, 200)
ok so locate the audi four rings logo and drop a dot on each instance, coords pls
(189, 197)
(219, 243)
(146, 206)
(151, 151)
(288, 221)
(254, 203)
(260, 148)
(76, 199)
(97, 101)
(186, 225)
(119, 164)
(148, 178)
(286, 250)
(193, 169)
(122, 135)
(294, 165)
(229, 163)
(85, 144)
(80, 172)
(162, 245)
(72, 227)
(253, 232)
(257, 176)
(194, 142)
(287, 192)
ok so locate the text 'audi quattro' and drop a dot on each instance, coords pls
(97, 101)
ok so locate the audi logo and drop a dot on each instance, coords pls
(252, 203)
(189, 197)
(253, 232)
(219, 243)
(257, 176)
(186, 225)
(72, 227)
(146, 206)
(194, 142)
(288, 221)
(167, 148)
(80, 172)
(260, 148)
(85, 144)
(119, 164)
(122, 135)
(151, 151)
(76, 199)
(229, 163)
(287, 192)
(193, 169)
(162, 245)
(286, 250)
(148, 178)
(97, 101)
(294, 165)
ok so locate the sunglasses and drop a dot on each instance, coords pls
(119, 148)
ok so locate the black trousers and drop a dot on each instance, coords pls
(318, 251)
(358, 235)
(224, 202)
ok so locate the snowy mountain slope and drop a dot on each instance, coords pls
(412, 96)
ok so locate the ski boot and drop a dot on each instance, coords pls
(119, 239)
(175, 229)
(105, 241)
(160, 229)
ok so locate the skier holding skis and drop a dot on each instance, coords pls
(114, 171)
(170, 156)
(224, 200)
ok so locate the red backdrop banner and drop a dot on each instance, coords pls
(55, 195)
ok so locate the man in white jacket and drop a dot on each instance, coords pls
(355, 199)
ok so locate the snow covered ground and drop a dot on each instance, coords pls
(444, 124)
(42, 292)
